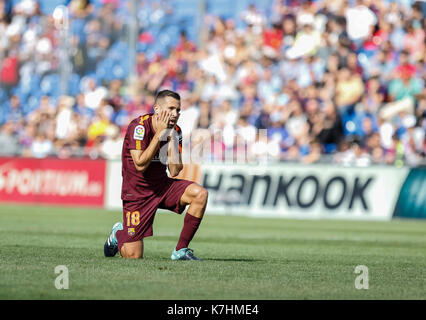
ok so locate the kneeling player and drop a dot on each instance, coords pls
(151, 141)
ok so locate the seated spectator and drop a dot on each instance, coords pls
(113, 144)
(349, 89)
(16, 114)
(99, 125)
(405, 84)
(9, 144)
(414, 41)
(41, 147)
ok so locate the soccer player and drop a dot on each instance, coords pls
(152, 143)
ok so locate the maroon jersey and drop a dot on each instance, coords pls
(138, 185)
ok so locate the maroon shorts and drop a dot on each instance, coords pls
(138, 216)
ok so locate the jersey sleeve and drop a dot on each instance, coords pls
(137, 136)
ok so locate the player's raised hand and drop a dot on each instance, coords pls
(163, 121)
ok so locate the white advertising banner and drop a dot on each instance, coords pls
(303, 191)
(114, 181)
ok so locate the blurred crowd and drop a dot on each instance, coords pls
(339, 81)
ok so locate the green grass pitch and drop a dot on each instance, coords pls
(244, 258)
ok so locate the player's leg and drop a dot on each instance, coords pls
(132, 250)
(196, 197)
(180, 194)
(138, 217)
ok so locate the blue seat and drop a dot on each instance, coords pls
(119, 47)
(74, 84)
(110, 69)
(3, 96)
(164, 39)
(77, 29)
(15, 2)
(103, 68)
(118, 72)
(143, 17)
(3, 115)
(35, 83)
(352, 123)
(32, 104)
(25, 84)
(20, 93)
(96, 3)
(222, 8)
(185, 8)
(48, 6)
(142, 47)
(50, 84)
(36, 93)
(330, 147)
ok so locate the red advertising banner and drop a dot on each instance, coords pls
(53, 181)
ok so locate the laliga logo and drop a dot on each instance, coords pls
(139, 132)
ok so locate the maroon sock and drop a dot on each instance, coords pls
(190, 226)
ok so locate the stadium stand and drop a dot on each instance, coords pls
(323, 87)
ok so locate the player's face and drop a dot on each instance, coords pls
(172, 106)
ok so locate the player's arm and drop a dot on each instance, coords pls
(174, 154)
(142, 158)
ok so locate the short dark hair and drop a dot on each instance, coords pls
(166, 93)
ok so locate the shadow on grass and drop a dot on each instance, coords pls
(232, 260)
(208, 259)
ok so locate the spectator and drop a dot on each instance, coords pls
(189, 116)
(414, 41)
(307, 40)
(253, 17)
(9, 144)
(360, 21)
(41, 146)
(94, 94)
(98, 128)
(14, 107)
(9, 71)
(64, 117)
(113, 144)
(349, 89)
(314, 154)
(405, 84)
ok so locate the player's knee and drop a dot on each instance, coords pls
(130, 252)
(201, 196)
(132, 255)
(136, 255)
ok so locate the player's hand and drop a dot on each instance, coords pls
(163, 123)
(163, 120)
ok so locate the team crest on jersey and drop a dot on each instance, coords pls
(139, 132)
(131, 232)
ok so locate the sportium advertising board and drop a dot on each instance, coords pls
(289, 190)
(52, 181)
